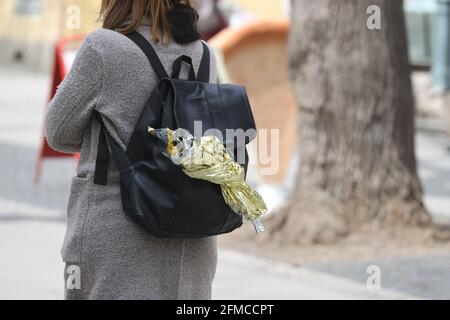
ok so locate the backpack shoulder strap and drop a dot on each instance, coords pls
(106, 146)
(204, 69)
(151, 54)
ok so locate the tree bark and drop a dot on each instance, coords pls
(353, 87)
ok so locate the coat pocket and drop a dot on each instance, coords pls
(77, 213)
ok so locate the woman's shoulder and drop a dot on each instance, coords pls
(112, 45)
(105, 40)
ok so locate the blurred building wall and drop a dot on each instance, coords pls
(29, 28)
(89, 16)
(26, 33)
(265, 9)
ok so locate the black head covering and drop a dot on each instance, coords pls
(183, 24)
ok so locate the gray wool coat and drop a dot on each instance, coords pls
(107, 255)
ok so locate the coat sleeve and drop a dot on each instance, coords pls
(70, 111)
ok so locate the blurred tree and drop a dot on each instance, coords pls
(352, 83)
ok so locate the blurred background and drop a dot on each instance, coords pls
(255, 43)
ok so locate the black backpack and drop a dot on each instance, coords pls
(155, 192)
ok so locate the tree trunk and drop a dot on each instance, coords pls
(354, 90)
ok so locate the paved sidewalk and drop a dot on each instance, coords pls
(31, 268)
(261, 279)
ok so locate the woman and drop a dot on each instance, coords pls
(107, 255)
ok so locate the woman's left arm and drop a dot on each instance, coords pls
(70, 111)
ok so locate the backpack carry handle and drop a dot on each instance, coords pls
(177, 68)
